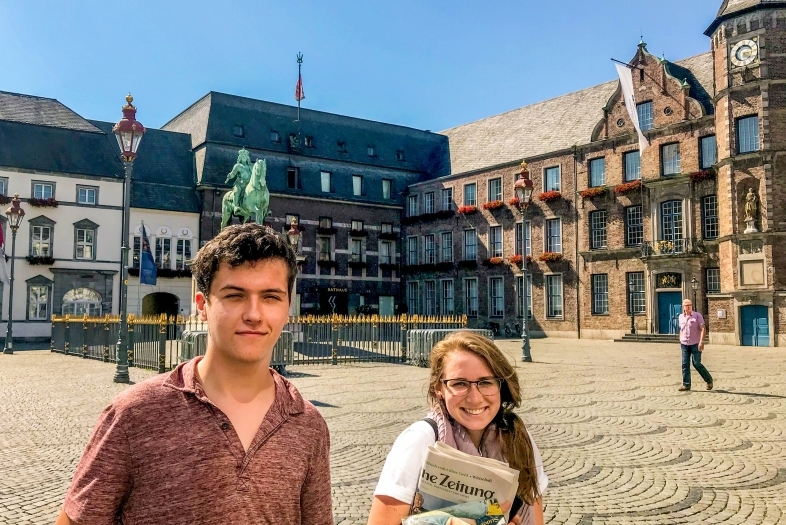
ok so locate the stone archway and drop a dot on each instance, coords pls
(160, 303)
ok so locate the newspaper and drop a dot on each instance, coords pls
(457, 488)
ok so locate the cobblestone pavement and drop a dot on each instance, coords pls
(620, 444)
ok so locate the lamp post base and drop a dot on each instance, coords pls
(8, 350)
(121, 374)
(526, 359)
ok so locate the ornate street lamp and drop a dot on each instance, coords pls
(294, 234)
(15, 216)
(523, 189)
(631, 285)
(129, 134)
(694, 284)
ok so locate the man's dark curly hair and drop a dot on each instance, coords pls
(239, 244)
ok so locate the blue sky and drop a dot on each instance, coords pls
(427, 64)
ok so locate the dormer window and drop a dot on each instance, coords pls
(372, 151)
(325, 222)
(274, 136)
(308, 142)
(342, 146)
(239, 131)
(400, 155)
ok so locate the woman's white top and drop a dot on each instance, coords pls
(400, 475)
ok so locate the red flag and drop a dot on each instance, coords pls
(299, 93)
(3, 271)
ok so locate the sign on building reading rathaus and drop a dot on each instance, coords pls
(249, 199)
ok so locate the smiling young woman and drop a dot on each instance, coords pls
(473, 390)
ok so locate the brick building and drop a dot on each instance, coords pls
(613, 233)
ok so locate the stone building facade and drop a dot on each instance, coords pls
(619, 237)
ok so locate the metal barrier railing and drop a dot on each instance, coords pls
(161, 342)
(421, 341)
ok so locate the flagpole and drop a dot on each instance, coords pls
(299, 64)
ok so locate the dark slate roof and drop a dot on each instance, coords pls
(40, 111)
(219, 160)
(163, 170)
(732, 8)
(58, 150)
(555, 124)
(213, 118)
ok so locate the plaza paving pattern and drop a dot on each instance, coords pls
(620, 444)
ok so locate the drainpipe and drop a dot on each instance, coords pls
(576, 239)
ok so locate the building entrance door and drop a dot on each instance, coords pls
(669, 310)
(754, 326)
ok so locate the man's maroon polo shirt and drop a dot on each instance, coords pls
(162, 453)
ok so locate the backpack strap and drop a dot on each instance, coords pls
(433, 425)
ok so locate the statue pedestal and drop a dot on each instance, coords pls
(750, 226)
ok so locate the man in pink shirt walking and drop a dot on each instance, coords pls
(692, 343)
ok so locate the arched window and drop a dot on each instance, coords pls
(81, 301)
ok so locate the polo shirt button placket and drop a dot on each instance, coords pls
(225, 426)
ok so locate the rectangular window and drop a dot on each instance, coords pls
(495, 190)
(163, 252)
(386, 227)
(413, 298)
(428, 202)
(597, 172)
(554, 296)
(238, 131)
(400, 155)
(356, 250)
(600, 294)
(709, 216)
(447, 199)
(470, 245)
(470, 194)
(551, 179)
(524, 238)
(386, 183)
(636, 296)
(496, 297)
(412, 251)
(632, 162)
(85, 241)
(524, 295)
(431, 298)
(671, 224)
(447, 301)
(471, 297)
(293, 179)
(713, 280)
(274, 136)
(634, 226)
(413, 206)
(709, 152)
(136, 252)
(324, 249)
(670, 159)
(308, 141)
(3, 186)
(39, 303)
(429, 251)
(495, 241)
(43, 191)
(554, 235)
(327, 182)
(325, 222)
(598, 229)
(357, 185)
(41, 241)
(372, 151)
(183, 254)
(356, 226)
(645, 115)
(386, 252)
(87, 195)
(748, 134)
(447, 246)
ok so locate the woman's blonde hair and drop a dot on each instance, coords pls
(516, 445)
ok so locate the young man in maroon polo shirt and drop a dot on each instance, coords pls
(220, 439)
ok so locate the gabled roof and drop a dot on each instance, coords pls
(163, 170)
(213, 119)
(556, 124)
(40, 111)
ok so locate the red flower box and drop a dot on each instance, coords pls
(493, 205)
(550, 257)
(591, 193)
(42, 203)
(548, 196)
(5, 199)
(702, 175)
(494, 260)
(516, 259)
(628, 187)
(466, 210)
(514, 201)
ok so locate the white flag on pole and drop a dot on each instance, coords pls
(626, 81)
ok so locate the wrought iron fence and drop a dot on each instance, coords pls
(159, 342)
(672, 247)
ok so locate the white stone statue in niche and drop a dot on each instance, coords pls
(751, 211)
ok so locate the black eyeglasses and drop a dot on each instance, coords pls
(460, 387)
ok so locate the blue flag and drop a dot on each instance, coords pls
(147, 265)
